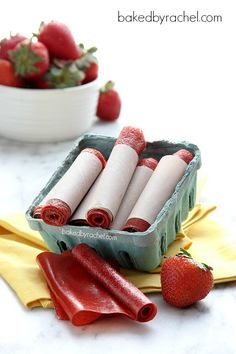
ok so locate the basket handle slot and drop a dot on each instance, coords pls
(126, 259)
(163, 245)
(191, 199)
(62, 246)
(177, 222)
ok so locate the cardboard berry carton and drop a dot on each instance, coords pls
(139, 250)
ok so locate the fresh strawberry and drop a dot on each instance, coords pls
(8, 44)
(7, 74)
(61, 74)
(42, 83)
(109, 103)
(59, 40)
(91, 73)
(185, 281)
(88, 64)
(30, 59)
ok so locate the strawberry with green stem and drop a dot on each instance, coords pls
(30, 59)
(185, 281)
(109, 103)
(61, 74)
(8, 44)
(88, 64)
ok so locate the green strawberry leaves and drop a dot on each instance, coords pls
(87, 58)
(63, 74)
(108, 86)
(184, 253)
(24, 60)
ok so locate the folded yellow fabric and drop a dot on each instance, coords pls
(19, 245)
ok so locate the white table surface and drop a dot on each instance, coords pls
(207, 327)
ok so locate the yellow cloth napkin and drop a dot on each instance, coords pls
(19, 245)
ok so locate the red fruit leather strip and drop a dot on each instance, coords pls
(61, 314)
(136, 225)
(79, 222)
(133, 137)
(98, 154)
(149, 162)
(99, 218)
(126, 293)
(55, 212)
(76, 294)
(185, 155)
(37, 212)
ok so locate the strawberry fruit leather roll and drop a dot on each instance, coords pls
(84, 287)
(65, 196)
(116, 177)
(38, 208)
(161, 185)
(140, 178)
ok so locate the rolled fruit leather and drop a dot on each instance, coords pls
(116, 177)
(68, 192)
(125, 292)
(139, 180)
(161, 185)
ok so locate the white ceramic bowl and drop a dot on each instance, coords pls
(47, 115)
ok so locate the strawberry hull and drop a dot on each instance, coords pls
(140, 250)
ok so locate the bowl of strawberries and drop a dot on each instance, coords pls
(48, 85)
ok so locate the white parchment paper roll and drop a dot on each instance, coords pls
(114, 180)
(68, 192)
(135, 188)
(158, 190)
(75, 183)
(80, 214)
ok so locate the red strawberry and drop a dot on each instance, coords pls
(185, 281)
(30, 59)
(59, 40)
(8, 44)
(88, 64)
(91, 73)
(42, 83)
(109, 103)
(7, 74)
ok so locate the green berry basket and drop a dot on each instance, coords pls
(140, 250)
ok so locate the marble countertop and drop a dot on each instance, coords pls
(207, 327)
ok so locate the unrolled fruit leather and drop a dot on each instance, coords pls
(85, 287)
